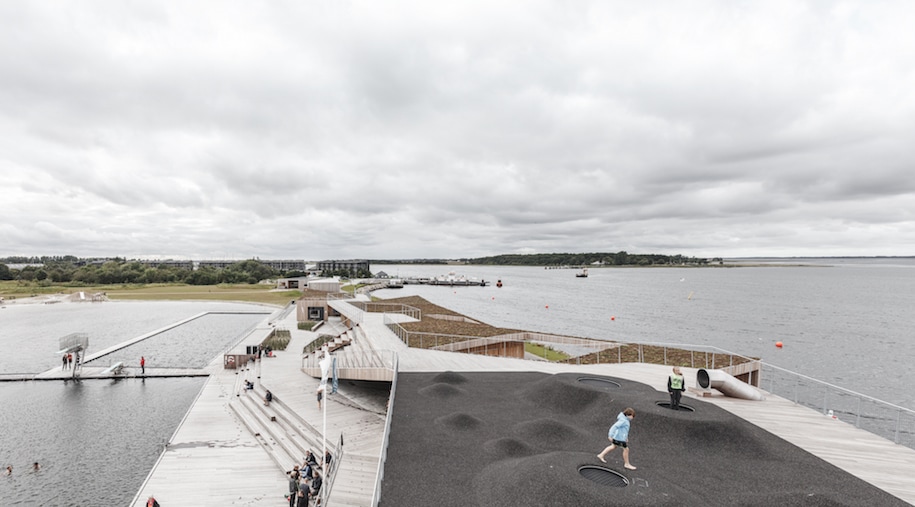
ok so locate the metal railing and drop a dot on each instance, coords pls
(336, 456)
(668, 354)
(881, 418)
(352, 358)
(379, 477)
(390, 308)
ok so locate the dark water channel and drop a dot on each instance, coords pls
(97, 440)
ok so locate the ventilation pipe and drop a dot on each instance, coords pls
(727, 384)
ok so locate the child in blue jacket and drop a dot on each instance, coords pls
(619, 437)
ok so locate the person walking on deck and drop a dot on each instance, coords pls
(63, 362)
(293, 488)
(619, 437)
(143, 365)
(675, 386)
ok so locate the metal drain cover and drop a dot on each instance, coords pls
(599, 382)
(603, 476)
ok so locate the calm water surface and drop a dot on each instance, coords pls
(847, 322)
(97, 440)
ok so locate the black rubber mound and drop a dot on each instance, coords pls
(459, 421)
(548, 432)
(449, 377)
(603, 476)
(441, 390)
(507, 448)
(601, 383)
(503, 439)
(562, 395)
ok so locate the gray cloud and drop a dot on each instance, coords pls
(389, 130)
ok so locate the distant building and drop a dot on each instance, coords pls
(170, 263)
(299, 282)
(215, 264)
(353, 266)
(329, 285)
(279, 265)
(286, 265)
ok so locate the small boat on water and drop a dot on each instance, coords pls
(394, 283)
(498, 283)
(452, 280)
(582, 274)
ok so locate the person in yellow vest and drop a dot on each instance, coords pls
(675, 386)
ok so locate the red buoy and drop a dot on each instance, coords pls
(613, 318)
(778, 344)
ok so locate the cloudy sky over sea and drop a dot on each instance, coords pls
(374, 129)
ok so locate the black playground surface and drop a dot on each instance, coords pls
(506, 439)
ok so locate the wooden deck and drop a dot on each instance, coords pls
(213, 459)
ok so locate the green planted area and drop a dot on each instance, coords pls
(548, 353)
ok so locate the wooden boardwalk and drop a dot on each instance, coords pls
(213, 459)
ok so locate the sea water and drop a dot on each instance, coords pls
(97, 440)
(844, 321)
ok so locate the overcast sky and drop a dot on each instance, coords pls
(386, 130)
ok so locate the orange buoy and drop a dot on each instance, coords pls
(778, 344)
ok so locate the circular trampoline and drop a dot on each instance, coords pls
(603, 476)
(683, 408)
(599, 382)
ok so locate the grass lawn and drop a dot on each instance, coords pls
(256, 293)
(547, 352)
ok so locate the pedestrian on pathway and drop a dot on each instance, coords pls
(675, 386)
(64, 362)
(69, 360)
(293, 488)
(302, 497)
(619, 437)
(320, 395)
(268, 398)
(151, 502)
(143, 365)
